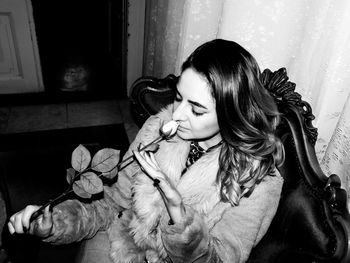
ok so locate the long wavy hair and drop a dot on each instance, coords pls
(247, 117)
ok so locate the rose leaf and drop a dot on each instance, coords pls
(105, 160)
(91, 183)
(111, 174)
(81, 158)
(70, 175)
(79, 190)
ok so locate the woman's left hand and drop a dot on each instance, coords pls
(170, 195)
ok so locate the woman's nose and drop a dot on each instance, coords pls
(179, 113)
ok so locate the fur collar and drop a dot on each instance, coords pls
(197, 187)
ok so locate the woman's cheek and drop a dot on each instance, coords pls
(176, 104)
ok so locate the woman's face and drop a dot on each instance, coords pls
(194, 109)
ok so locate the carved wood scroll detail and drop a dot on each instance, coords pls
(278, 84)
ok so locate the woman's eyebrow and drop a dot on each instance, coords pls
(197, 104)
(192, 101)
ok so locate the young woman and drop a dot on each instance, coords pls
(215, 187)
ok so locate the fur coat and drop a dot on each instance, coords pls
(133, 213)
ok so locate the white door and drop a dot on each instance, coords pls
(20, 70)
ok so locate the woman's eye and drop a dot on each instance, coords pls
(197, 113)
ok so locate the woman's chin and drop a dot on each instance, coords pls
(183, 135)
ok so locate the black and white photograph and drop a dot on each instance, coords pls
(174, 131)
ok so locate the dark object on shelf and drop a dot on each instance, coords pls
(312, 223)
(75, 77)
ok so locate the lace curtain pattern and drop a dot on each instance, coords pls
(162, 33)
(308, 37)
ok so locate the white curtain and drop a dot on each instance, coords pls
(308, 37)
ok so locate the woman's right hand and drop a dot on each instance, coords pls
(20, 222)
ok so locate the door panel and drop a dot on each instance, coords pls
(19, 58)
(8, 59)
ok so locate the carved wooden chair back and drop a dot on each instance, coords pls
(312, 223)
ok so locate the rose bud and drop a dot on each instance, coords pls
(169, 129)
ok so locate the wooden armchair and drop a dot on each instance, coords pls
(312, 223)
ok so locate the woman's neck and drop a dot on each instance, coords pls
(206, 144)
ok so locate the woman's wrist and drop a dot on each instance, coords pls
(177, 214)
(168, 224)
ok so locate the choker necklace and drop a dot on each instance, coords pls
(197, 152)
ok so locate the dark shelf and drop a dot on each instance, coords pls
(8, 100)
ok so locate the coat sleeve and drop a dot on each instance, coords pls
(232, 238)
(74, 220)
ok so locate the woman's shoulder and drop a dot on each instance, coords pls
(160, 118)
(150, 130)
(272, 183)
(154, 122)
(165, 113)
(274, 177)
(269, 188)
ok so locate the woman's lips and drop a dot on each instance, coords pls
(180, 128)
